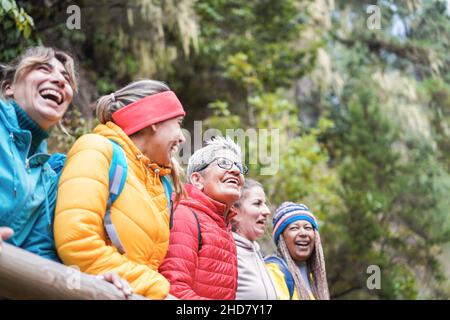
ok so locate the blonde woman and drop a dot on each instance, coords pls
(131, 235)
(249, 225)
(36, 90)
(298, 269)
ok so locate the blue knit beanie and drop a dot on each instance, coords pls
(289, 212)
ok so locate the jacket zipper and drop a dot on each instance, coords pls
(27, 187)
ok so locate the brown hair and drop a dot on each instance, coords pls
(33, 57)
(108, 104)
(249, 184)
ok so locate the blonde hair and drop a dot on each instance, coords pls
(29, 60)
(108, 104)
(248, 184)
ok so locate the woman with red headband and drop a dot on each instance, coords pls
(130, 234)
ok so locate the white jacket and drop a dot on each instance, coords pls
(254, 282)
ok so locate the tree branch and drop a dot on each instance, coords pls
(347, 291)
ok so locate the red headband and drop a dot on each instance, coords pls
(147, 111)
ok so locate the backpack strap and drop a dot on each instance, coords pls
(117, 177)
(199, 233)
(284, 268)
(168, 191)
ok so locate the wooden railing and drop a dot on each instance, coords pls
(24, 275)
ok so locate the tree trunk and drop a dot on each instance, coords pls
(24, 275)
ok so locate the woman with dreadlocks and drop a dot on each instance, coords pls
(298, 269)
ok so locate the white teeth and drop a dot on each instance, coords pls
(54, 93)
(232, 180)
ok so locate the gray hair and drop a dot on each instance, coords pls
(207, 154)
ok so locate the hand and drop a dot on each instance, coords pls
(5, 233)
(120, 283)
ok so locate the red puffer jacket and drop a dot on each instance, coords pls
(210, 273)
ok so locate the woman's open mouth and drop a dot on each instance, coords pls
(52, 95)
(232, 181)
(261, 222)
(304, 244)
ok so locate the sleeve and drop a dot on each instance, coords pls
(40, 241)
(79, 231)
(280, 284)
(180, 264)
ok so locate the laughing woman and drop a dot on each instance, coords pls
(140, 124)
(36, 90)
(298, 269)
(201, 262)
(254, 282)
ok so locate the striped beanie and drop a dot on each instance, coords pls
(289, 212)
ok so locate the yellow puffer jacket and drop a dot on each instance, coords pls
(280, 284)
(140, 214)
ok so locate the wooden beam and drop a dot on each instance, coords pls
(24, 275)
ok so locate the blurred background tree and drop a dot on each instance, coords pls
(362, 113)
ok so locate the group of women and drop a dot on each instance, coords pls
(111, 209)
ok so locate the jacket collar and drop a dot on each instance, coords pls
(7, 108)
(8, 117)
(244, 243)
(112, 131)
(215, 209)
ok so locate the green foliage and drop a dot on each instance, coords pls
(16, 27)
(74, 125)
(221, 118)
(401, 284)
(23, 22)
(393, 195)
(259, 33)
